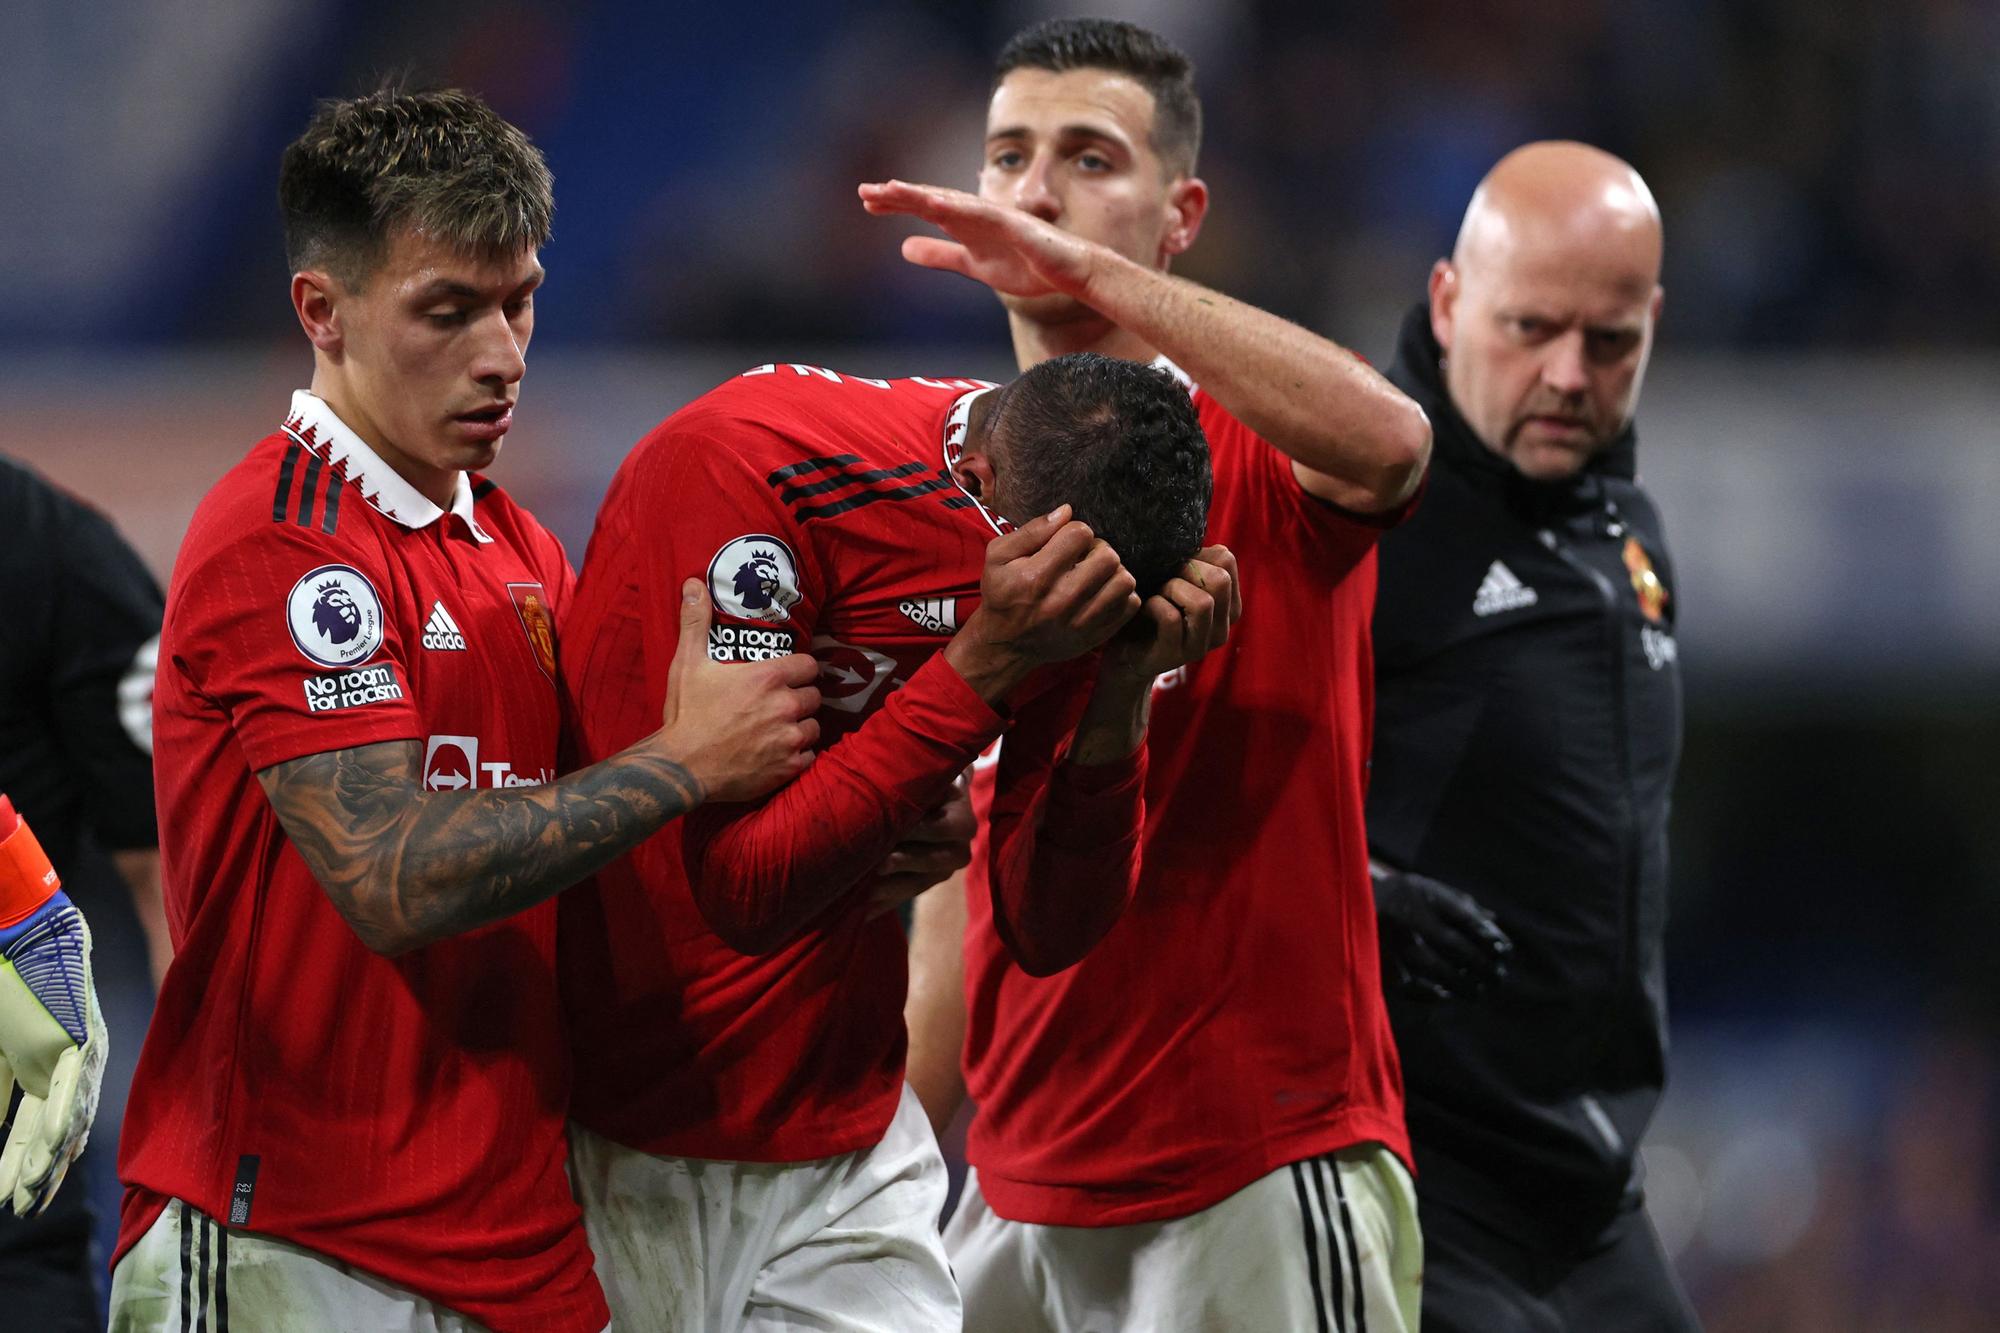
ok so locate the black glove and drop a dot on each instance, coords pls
(1437, 943)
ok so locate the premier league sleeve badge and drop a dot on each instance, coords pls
(335, 617)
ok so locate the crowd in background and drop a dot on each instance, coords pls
(1831, 167)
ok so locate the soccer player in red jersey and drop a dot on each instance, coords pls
(745, 1150)
(349, 1109)
(1200, 1126)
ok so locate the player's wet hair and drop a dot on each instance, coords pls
(1120, 443)
(440, 162)
(1148, 59)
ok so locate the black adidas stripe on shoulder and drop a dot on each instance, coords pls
(308, 491)
(334, 486)
(790, 470)
(319, 490)
(854, 485)
(281, 502)
(791, 494)
(483, 488)
(912, 492)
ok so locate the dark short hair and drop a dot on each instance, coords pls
(440, 161)
(1148, 59)
(1120, 443)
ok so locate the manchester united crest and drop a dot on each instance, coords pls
(531, 603)
(1646, 584)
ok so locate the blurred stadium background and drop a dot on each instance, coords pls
(1819, 426)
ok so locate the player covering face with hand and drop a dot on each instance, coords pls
(961, 559)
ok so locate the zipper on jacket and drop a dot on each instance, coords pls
(1614, 526)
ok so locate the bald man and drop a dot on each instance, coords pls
(1527, 729)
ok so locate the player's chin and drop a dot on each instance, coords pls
(463, 455)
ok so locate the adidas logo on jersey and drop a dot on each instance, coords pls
(440, 633)
(939, 615)
(1501, 591)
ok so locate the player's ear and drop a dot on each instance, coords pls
(1187, 206)
(315, 300)
(1444, 301)
(974, 473)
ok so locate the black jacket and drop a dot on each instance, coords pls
(1528, 724)
(75, 676)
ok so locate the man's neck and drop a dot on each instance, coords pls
(1036, 342)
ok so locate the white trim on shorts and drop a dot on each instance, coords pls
(1328, 1243)
(174, 1280)
(1342, 1257)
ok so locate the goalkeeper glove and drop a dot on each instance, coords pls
(52, 1039)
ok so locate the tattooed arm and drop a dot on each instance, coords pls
(407, 866)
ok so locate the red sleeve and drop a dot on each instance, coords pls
(294, 635)
(761, 871)
(1062, 850)
(1245, 461)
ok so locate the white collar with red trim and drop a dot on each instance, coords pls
(315, 425)
(955, 423)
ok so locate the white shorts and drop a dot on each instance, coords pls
(187, 1273)
(1328, 1245)
(847, 1244)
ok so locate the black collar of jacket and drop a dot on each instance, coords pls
(1417, 373)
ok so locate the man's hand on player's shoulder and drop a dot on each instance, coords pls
(1051, 590)
(740, 729)
(1188, 618)
(1008, 250)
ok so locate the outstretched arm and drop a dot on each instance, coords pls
(1354, 438)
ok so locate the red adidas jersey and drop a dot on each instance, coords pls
(1232, 1020)
(404, 1115)
(821, 510)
